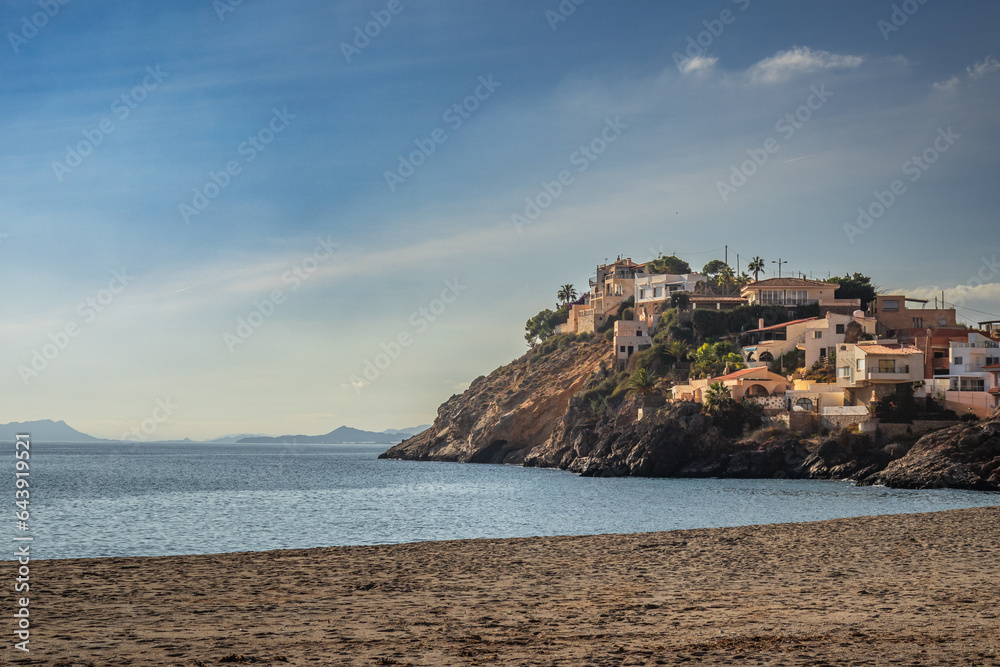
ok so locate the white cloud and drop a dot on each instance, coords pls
(975, 72)
(949, 85)
(784, 65)
(979, 70)
(698, 64)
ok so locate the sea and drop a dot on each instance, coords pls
(157, 499)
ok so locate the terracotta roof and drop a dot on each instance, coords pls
(735, 375)
(885, 349)
(994, 390)
(719, 299)
(790, 282)
(782, 326)
(992, 367)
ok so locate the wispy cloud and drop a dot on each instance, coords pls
(973, 72)
(979, 70)
(698, 65)
(785, 65)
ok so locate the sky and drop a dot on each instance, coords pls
(254, 216)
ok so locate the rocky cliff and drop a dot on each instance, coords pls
(503, 417)
(965, 456)
(558, 407)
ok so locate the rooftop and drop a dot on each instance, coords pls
(783, 326)
(903, 350)
(789, 282)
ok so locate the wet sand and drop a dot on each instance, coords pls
(921, 589)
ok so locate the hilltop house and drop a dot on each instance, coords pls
(768, 343)
(790, 292)
(630, 336)
(898, 320)
(613, 284)
(872, 369)
(757, 383)
(822, 336)
(971, 385)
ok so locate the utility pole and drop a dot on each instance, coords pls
(727, 255)
(779, 262)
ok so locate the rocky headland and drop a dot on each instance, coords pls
(560, 406)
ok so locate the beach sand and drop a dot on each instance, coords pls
(920, 589)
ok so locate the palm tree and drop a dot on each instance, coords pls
(679, 350)
(641, 382)
(715, 393)
(755, 266)
(726, 277)
(566, 294)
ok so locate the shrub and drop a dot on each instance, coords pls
(969, 417)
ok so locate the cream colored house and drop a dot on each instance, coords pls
(630, 337)
(769, 343)
(750, 382)
(791, 292)
(874, 368)
(613, 284)
(824, 335)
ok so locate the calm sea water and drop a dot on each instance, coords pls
(163, 499)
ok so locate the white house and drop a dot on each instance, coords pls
(972, 379)
(823, 336)
(658, 286)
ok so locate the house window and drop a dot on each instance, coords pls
(992, 360)
(890, 304)
(642, 292)
(843, 372)
(886, 365)
(657, 292)
(772, 297)
(817, 334)
(859, 364)
(940, 355)
(958, 360)
(638, 332)
(796, 297)
(623, 348)
(972, 384)
(918, 323)
(840, 328)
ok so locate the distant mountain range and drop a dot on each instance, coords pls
(342, 435)
(45, 430)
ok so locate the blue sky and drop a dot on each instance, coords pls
(118, 118)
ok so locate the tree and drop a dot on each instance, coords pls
(756, 266)
(566, 294)
(712, 268)
(540, 327)
(711, 359)
(855, 286)
(679, 350)
(726, 277)
(714, 394)
(671, 265)
(680, 300)
(641, 382)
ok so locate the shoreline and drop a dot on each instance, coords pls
(921, 588)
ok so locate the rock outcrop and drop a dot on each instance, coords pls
(547, 409)
(502, 417)
(965, 456)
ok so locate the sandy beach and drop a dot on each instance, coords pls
(921, 589)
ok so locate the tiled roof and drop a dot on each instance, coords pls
(736, 375)
(719, 299)
(790, 282)
(885, 349)
(782, 326)
(992, 367)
